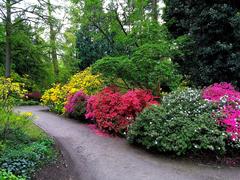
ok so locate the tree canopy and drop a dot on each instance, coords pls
(213, 52)
(50, 40)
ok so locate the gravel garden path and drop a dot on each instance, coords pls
(99, 157)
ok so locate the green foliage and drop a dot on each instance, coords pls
(150, 67)
(21, 128)
(28, 54)
(182, 124)
(213, 26)
(28, 103)
(25, 159)
(2, 37)
(23, 147)
(89, 49)
(148, 31)
(4, 175)
(113, 28)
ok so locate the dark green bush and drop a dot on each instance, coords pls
(212, 55)
(182, 124)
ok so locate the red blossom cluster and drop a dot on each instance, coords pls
(36, 96)
(114, 111)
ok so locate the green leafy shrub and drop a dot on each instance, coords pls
(2, 147)
(20, 128)
(23, 147)
(5, 175)
(148, 67)
(182, 124)
(25, 159)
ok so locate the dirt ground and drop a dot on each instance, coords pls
(61, 169)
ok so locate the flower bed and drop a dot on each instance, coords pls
(56, 97)
(186, 121)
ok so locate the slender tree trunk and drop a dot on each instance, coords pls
(155, 10)
(54, 50)
(53, 40)
(8, 27)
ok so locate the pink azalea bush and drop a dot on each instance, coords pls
(76, 105)
(216, 91)
(228, 101)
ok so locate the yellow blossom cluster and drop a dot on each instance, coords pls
(56, 97)
(10, 89)
(85, 81)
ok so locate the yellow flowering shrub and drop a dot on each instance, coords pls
(9, 91)
(85, 81)
(56, 97)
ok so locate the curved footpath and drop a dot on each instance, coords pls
(104, 158)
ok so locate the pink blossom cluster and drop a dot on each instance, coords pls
(231, 119)
(228, 100)
(74, 100)
(216, 91)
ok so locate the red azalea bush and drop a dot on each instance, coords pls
(76, 105)
(36, 96)
(114, 112)
(228, 101)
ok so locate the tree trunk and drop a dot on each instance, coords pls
(53, 40)
(54, 50)
(8, 27)
(155, 10)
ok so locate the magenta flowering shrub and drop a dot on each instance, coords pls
(76, 105)
(228, 101)
(229, 110)
(216, 91)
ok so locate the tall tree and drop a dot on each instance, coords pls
(9, 10)
(155, 9)
(111, 28)
(7, 19)
(2, 43)
(94, 36)
(53, 34)
(48, 16)
(214, 29)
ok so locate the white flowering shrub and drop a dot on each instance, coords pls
(182, 124)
